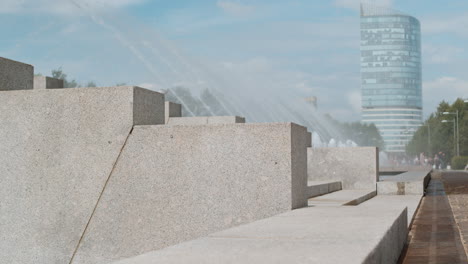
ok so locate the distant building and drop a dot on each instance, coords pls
(391, 74)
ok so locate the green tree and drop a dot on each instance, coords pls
(59, 74)
(442, 134)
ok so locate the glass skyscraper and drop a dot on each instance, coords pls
(391, 74)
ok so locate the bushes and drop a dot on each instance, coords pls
(459, 162)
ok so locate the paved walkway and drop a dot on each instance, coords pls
(435, 236)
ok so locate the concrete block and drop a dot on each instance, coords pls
(309, 235)
(172, 110)
(320, 188)
(176, 183)
(356, 168)
(15, 75)
(411, 202)
(57, 150)
(343, 197)
(226, 120)
(309, 139)
(204, 120)
(407, 183)
(44, 82)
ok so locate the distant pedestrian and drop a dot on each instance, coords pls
(437, 161)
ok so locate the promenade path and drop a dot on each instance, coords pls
(439, 231)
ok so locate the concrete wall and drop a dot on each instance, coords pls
(172, 110)
(204, 120)
(15, 75)
(44, 82)
(57, 150)
(356, 168)
(175, 183)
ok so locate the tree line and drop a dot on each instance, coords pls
(437, 135)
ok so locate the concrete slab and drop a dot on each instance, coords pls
(176, 183)
(312, 235)
(57, 150)
(205, 120)
(172, 110)
(411, 202)
(356, 168)
(317, 188)
(15, 75)
(411, 182)
(343, 197)
(44, 82)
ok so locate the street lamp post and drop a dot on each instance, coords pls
(454, 137)
(458, 134)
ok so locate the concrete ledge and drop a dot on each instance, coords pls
(356, 167)
(320, 188)
(176, 183)
(411, 182)
(44, 82)
(204, 120)
(57, 150)
(411, 202)
(15, 75)
(343, 197)
(323, 235)
(172, 110)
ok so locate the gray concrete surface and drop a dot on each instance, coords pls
(57, 150)
(15, 75)
(356, 168)
(176, 183)
(311, 235)
(205, 120)
(318, 188)
(172, 110)
(411, 182)
(343, 197)
(411, 202)
(44, 82)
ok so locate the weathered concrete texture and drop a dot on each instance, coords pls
(320, 188)
(15, 75)
(57, 149)
(172, 110)
(343, 197)
(312, 235)
(44, 82)
(411, 182)
(205, 120)
(175, 183)
(356, 168)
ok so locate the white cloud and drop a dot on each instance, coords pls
(444, 88)
(354, 4)
(441, 54)
(64, 7)
(235, 8)
(451, 24)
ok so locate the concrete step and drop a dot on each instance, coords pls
(343, 197)
(317, 188)
(411, 202)
(325, 235)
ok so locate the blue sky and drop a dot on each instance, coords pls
(261, 48)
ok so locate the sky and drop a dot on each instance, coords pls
(269, 49)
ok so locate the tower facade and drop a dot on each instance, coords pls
(391, 74)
